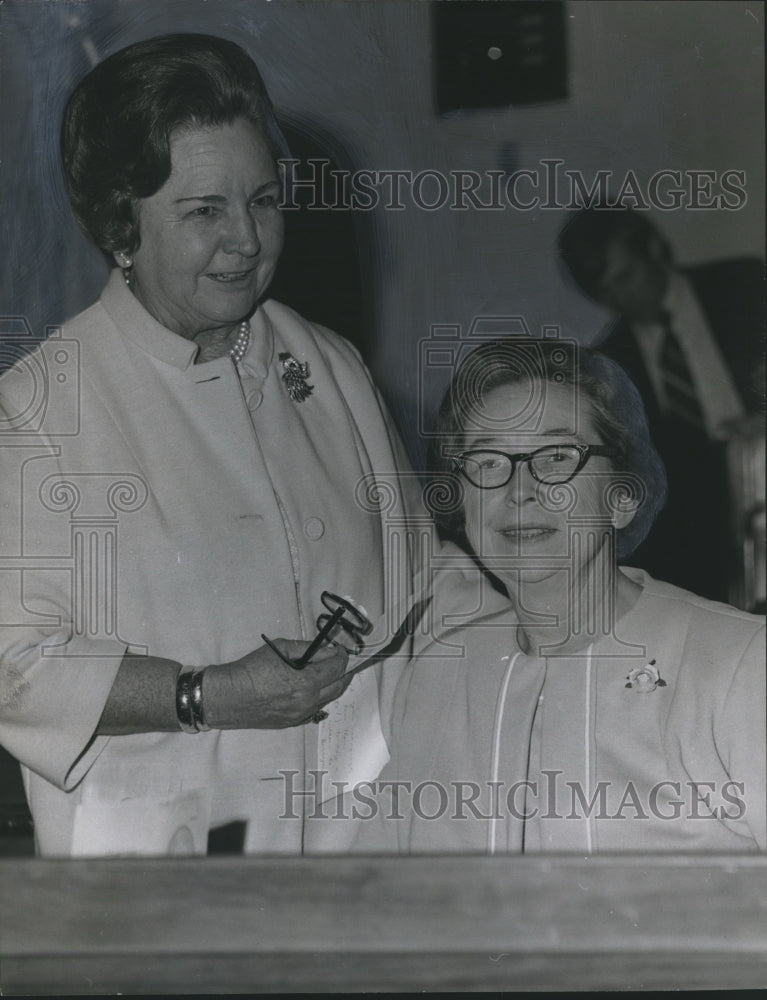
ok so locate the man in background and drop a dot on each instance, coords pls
(692, 340)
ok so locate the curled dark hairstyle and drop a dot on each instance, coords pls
(616, 408)
(584, 239)
(115, 136)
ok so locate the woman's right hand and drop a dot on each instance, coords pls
(260, 691)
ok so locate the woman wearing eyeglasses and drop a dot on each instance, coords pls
(598, 709)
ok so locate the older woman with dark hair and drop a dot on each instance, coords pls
(576, 705)
(205, 494)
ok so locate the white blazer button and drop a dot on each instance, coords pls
(314, 528)
(254, 399)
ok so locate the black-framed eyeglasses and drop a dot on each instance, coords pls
(551, 465)
(343, 619)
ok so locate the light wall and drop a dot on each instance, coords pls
(653, 86)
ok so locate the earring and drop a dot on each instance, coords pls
(125, 261)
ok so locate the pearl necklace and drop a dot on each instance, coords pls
(237, 353)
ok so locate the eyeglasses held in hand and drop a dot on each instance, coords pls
(550, 465)
(342, 619)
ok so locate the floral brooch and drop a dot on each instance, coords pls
(645, 679)
(294, 375)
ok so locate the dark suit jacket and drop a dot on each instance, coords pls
(732, 296)
(689, 545)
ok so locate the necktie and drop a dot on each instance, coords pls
(678, 386)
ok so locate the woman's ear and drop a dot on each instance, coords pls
(624, 496)
(623, 518)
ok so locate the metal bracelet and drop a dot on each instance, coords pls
(184, 707)
(198, 715)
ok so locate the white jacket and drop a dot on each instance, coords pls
(151, 503)
(496, 751)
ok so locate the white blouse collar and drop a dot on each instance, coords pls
(133, 321)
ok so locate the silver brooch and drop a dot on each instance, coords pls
(645, 679)
(294, 376)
